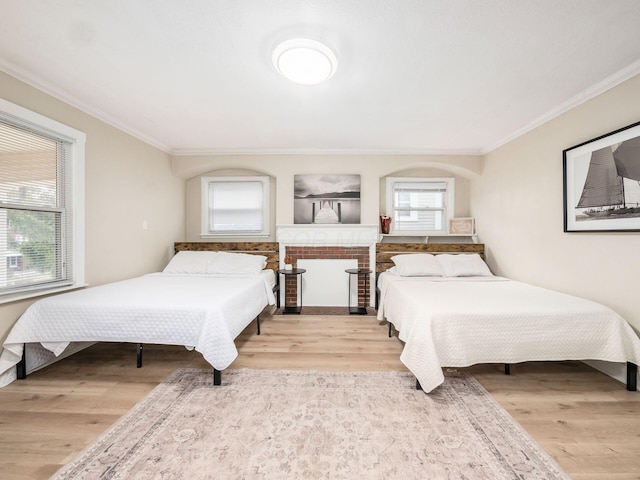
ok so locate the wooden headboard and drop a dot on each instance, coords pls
(384, 251)
(268, 249)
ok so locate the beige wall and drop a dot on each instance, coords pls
(282, 168)
(126, 182)
(517, 203)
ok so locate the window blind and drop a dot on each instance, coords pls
(419, 206)
(236, 206)
(35, 214)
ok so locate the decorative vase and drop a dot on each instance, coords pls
(385, 224)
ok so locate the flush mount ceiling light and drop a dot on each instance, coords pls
(304, 61)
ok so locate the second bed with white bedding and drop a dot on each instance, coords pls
(461, 321)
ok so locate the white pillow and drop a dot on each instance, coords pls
(191, 262)
(417, 265)
(463, 265)
(226, 262)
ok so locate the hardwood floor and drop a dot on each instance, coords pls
(584, 419)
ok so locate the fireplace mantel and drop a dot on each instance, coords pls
(328, 234)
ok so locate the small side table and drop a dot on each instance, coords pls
(294, 271)
(358, 272)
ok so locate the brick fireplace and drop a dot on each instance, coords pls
(324, 251)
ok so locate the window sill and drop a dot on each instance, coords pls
(38, 293)
(223, 235)
(433, 234)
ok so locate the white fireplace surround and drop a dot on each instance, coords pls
(327, 234)
(316, 235)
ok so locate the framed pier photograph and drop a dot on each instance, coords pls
(326, 199)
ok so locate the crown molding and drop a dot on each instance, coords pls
(64, 96)
(323, 151)
(584, 96)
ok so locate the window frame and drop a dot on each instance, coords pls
(205, 232)
(74, 168)
(448, 207)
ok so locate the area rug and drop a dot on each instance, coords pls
(314, 425)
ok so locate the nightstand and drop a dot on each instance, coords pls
(296, 309)
(358, 272)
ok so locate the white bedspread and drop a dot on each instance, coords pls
(464, 321)
(205, 312)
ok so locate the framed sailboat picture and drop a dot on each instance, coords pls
(602, 183)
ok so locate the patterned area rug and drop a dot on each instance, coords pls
(297, 425)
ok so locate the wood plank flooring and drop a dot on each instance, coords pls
(587, 421)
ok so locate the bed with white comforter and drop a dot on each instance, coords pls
(460, 321)
(186, 306)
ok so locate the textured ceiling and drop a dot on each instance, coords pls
(429, 76)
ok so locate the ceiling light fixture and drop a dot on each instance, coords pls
(305, 61)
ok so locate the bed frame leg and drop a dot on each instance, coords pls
(507, 369)
(276, 289)
(258, 323)
(21, 366)
(632, 377)
(139, 356)
(217, 377)
(418, 386)
(390, 327)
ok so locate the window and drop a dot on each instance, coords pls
(235, 206)
(419, 205)
(12, 261)
(41, 204)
